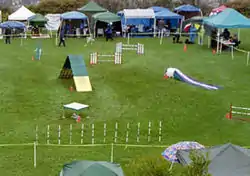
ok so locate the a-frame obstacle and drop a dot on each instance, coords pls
(74, 67)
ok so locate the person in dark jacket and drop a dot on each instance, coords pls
(109, 32)
(7, 35)
(62, 37)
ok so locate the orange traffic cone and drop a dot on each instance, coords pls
(71, 88)
(214, 52)
(185, 48)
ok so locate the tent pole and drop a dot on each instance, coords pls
(239, 34)
(89, 27)
(218, 40)
(154, 26)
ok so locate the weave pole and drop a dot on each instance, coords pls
(160, 130)
(82, 133)
(127, 133)
(59, 134)
(138, 133)
(104, 132)
(36, 134)
(93, 134)
(116, 131)
(48, 135)
(149, 131)
(70, 134)
(34, 155)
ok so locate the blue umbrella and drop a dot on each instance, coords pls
(12, 24)
(170, 153)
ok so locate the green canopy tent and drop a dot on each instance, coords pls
(106, 17)
(90, 9)
(38, 21)
(91, 168)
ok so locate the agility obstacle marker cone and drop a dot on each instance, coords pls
(71, 89)
(213, 51)
(185, 48)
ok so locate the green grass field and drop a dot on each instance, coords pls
(32, 94)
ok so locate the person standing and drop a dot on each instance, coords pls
(201, 35)
(109, 32)
(62, 37)
(7, 35)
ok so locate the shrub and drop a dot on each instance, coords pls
(199, 165)
(151, 166)
(243, 6)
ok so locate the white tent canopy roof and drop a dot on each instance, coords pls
(22, 14)
(139, 13)
(75, 106)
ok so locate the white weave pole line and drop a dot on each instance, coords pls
(160, 128)
(70, 134)
(149, 131)
(138, 133)
(104, 132)
(48, 135)
(82, 133)
(248, 55)
(59, 134)
(116, 131)
(37, 134)
(112, 153)
(34, 156)
(127, 133)
(93, 134)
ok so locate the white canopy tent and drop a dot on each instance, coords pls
(140, 14)
(22, 14)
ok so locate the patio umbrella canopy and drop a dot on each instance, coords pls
(92, 7)
(13, 25)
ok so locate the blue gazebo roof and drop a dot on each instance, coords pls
(167, 14)
(187, 8)
(74, 15)
(158, 8)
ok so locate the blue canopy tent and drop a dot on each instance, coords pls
(144, 18)
(158, 8)
(13, 25)
(188, 11)
(229, 18)
(175, 19)
(81, 20)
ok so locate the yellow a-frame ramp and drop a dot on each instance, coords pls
(74, 67)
